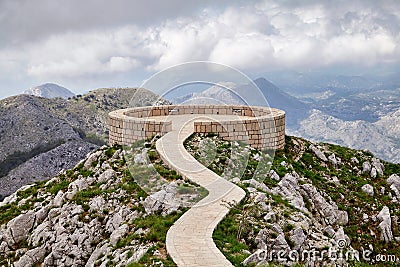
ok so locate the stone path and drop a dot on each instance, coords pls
(189, 240)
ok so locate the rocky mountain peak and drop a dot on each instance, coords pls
(49, 90)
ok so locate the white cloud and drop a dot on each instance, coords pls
(250, 36)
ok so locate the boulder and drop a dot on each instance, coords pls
(19, 227)
(92, 158)
(298, 237)
(274, 175)
(289, 189)
(366, 167)
(106, 176)
(114, 222)
(58, 199)
(336, 161)
(373, 173)
(368, 189)
(378, 165)
(118, 233)
(256, 258)
(318, 153)
(354, 160)
(100, 250)
(165, 200)
(385, 225)
(31, 257)
(329, 211)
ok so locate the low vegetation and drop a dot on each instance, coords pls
(340, 183)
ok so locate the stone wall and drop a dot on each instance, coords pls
(262, 128)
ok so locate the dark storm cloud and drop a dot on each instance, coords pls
(27, 21)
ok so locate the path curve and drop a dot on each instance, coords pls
(189, 241)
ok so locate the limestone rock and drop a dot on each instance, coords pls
(102, 250)
(97, 203)
(318, 153)
(141, 158)
(366, 167)
(336, 161)
(274, 175)
(107, 175)
(385, 225)
(329, 231)
(378, 166)
(354, 160)
(164, 201)
(368, 189)
(289, 189)
(114, 222)
(19, 227)
(59, 199)
(31, 257)
(92, 158)
(118, 234)
(394, 179)
(394, 182)
(373, 173)
(280, 243)
(329, 212)
(256, 257)
(256, 184)
(298, 237)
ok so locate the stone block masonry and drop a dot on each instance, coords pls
(261, 127)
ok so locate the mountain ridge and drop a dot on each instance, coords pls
(34, 128)
(49, 90)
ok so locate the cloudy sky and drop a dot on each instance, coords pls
(88, 44)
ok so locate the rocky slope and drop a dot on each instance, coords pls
(49, 90)
(380, 137)
(39, 136)
(311, 196)
(93, 215)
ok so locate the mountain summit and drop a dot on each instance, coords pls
(49, 90)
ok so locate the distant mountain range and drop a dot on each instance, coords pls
(298, 84)
(381, 138)
(41, 136)
(266, 94)
(359, 119)
(49, 90)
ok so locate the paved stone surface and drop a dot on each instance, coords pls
(189, 240)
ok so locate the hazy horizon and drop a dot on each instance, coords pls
(86, 45)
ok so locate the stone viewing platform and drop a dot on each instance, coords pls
(261, 127)
(189, 240)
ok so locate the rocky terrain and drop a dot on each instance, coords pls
(49, 90)
(40, 136)
(94, 214)
(312, 196)
(381, 137)
(309, 196)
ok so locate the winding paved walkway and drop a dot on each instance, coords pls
(189, 240)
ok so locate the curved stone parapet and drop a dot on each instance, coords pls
(261, 127)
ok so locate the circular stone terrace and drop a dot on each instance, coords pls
(261, 127)
(189, 240)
